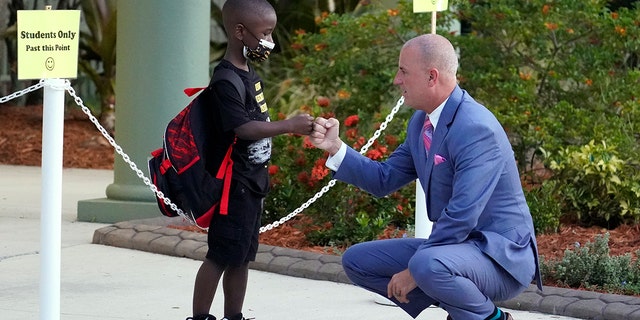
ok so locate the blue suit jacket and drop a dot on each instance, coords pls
(473, 193)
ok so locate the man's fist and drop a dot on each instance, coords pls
(325, 134)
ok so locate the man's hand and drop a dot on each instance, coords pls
(400, 285)
(325, 135)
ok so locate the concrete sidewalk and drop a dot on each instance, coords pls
(139, 274)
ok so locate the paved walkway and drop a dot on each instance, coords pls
(144, 270)
(152, 235)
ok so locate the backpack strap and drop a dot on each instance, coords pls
(225, 173)
(220, 75)
(191, 91)
(229, 75)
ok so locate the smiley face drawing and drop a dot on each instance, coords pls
(49, 63)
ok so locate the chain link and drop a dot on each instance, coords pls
(22, 92)
(332, 183)
(189, 217)
(127, 159)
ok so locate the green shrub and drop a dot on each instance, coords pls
(348, 75)
(556, 74)
(591, 182)
(591, 267)
(545, 206)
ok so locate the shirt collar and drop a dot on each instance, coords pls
(435, 115)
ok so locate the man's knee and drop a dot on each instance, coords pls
(428, 272)
(354, 264)
(350, 257)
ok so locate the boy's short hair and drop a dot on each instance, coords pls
(241, 11)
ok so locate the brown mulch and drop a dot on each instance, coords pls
(21, 139)
(84, 147)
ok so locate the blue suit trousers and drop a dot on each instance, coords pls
(459, 278)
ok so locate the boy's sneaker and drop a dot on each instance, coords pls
(237, 317)
(202, 317)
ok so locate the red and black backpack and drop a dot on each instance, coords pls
(178, 169)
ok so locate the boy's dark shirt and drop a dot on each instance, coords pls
(226, 114)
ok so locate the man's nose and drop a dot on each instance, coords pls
(397, 80)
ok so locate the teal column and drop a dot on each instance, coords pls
(163, 47)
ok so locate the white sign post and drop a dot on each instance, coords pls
(423, 224)
(432, 6)
(48, 49)
(51, 211)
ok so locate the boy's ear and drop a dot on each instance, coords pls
(237, 31)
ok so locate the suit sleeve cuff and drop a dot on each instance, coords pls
(334, 162)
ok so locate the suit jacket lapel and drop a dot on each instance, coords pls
(442, 129)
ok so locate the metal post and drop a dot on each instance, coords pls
(51, 211)
(423, 224)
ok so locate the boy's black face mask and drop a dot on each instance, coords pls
(261, 52)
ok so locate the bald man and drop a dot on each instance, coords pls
(482, 247)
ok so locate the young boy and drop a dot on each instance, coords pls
(233, 238)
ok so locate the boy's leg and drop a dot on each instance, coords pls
(234, 284)
(205, 286)
(233, 240)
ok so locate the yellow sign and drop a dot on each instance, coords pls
(430, 5)
(48, 44)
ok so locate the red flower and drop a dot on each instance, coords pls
(273, 169)
(391, 140)
(359, 143)
(328, 115)
(306, 143)
(303, 177)
(319, 171)
(323, 101)
(351, 133)
(301, 161)
(551, 26)
(320, 46)
(374, 154)
(545, 9)
(351, 121)
(343, 94)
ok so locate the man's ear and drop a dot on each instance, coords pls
(433, 76)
